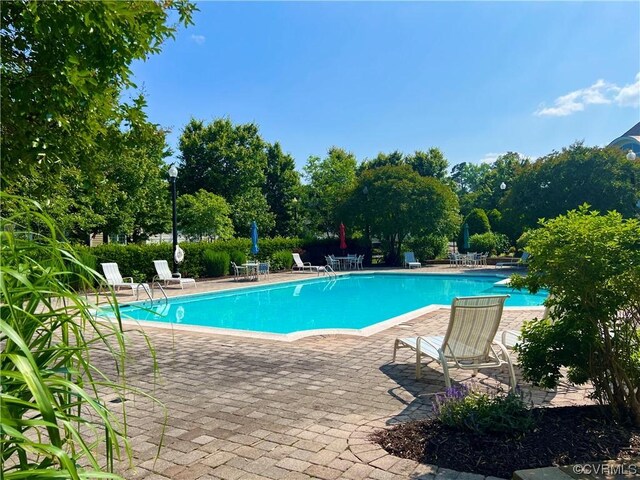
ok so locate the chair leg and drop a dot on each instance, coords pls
(395, 349)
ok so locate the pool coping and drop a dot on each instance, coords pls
(293, 336)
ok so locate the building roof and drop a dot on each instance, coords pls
(633, 131)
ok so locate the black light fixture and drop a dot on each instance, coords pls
(173, 174)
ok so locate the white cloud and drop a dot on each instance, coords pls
(600, 93)
(490, 157)
(629, 95)
(199, 39)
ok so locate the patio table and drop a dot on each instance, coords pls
(345, 261)
(252, 270)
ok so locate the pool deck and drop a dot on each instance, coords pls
(249, 408)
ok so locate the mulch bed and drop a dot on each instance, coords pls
(562, 436)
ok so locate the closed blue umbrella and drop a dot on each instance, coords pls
(465, 237)
(254, 238)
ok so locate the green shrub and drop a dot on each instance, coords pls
(590, 263)
(478, 223)
(464, 409)
(489, 242)
(427, 247)
(495, 219)
(216, 264)
(238, 257)
(282, 260)
(78, 279)
(139, 258)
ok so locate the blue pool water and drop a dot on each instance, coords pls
(350, 301)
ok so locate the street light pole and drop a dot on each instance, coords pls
(173, 174)
(367, 255)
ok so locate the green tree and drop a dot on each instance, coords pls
(282, 185)
(204, 215)
(431, 163)
(395, 195)
(228, 160)
(64, 67)
(330, 181)
(590, 263)
(478, 223)
(562, 181)
(249, 206)
(126, 193)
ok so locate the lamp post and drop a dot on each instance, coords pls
(173, 174)
(295, 215)
(503, 186)
(631, 155)
(367, 254)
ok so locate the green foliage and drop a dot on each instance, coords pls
(281, 260)
(431, 163)
(561, 181)
(400, 203)
(523, 240)
(238, 257)
(139, 258)
(64, 66)
(216, 264)
(590, 263)
(330, 181)
(468, 410)
(428, 247)
(204, 215)
(478, 185)
(495, 219)
(478, 222)
(282, 185)
(230, 161)
(490, 242)
(54, 418)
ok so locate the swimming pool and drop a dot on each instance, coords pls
(353, 301)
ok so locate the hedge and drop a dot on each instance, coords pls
(136, 260)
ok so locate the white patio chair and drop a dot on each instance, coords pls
(115, 280)
(263, 269)
(516, 262)
(410, 260)
(301, 266)
(164, 275)
(359, 262)
(469, 341)
(239, 271)
(333, 262)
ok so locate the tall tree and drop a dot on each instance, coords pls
(282, 186)
(204, 215)
(561, 181)
(429, 164)
(330, 181)
(64, 66)
(228, 160)
(394, 195)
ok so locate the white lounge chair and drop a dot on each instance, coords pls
(115, 280)
(469, 342)
(410, 260)
(301, 266)
(164, 274)
(516, 262)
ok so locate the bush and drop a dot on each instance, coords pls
(216, 264)
(489, 242)
(478, 222)
(428, 247)
(464, 409)
(282, 260)
(238, 257)
(590, 263)
(139, 258)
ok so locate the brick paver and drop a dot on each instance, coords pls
(241, 408)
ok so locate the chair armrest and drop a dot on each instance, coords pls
(307, 264)
(130, 279)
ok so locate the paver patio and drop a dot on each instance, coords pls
(243, 408)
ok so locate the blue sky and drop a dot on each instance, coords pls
(474, 79)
